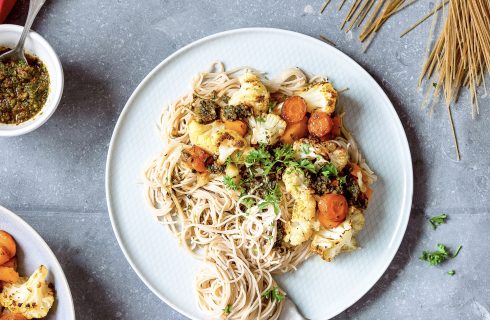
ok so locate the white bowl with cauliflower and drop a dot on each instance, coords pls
(42, 288)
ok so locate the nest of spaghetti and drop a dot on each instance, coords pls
(256, 176)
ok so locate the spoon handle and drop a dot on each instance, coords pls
(34, 7)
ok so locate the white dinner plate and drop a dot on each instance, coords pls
(32, 251)
(321, 290)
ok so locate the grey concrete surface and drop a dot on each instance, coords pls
(54, 177)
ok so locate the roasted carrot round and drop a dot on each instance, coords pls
(238, 126)
(12, 316)
(320, 124)
(12, 263)
(8, 274)
(332, 207)
(337, 126)
(326, 223)
(8, 243)
(293, 109)
(199, 159)
(295, 131)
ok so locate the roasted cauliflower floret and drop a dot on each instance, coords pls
(339, 157)
(215, 139)
(320, 96)
(31, 297)
(267, 129)
(309, 149)
(328, 243)
(206, 136)
(252, 93)
(302, 223)
(228, 142)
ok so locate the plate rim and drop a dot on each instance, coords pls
(24, 225)
(406, 209)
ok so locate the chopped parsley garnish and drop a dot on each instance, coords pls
(248, 202)
(272, 199)
(258, 156)
(305, 148)
(342, 180)
(434, 84)
(271, 106)
(437, 257)
(437, 220)
(227, 309)
(260, 119)
(273, 294)
(303, 164)
(230, 183)
(457, 251)
(234, 158)
(329, 170)
(451, 272)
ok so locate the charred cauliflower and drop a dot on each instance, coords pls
(320, 96)
(302, 223)
(252, 93)
(215, 139)
(31, 297)
(267, 129)
(328, 243)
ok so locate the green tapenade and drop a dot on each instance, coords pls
(24, 89)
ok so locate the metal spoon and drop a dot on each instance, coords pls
(17, 54)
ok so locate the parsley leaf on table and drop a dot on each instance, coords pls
(437, 220)
(437, 257)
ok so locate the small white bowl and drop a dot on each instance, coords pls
(39, 47)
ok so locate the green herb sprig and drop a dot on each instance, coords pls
(437, 220)
(227, 309)
(437, 257)
(274, 294)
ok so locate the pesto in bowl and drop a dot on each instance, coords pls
(24, 89)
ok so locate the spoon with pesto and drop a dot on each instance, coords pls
(17, 54)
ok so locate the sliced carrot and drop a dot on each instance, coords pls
(295, 131)
(293, 109)
(327, 223)
(8, 274)
(369, 193)
(337, 125)
(7, 241)
(355, 169)
(320, 124)
(197, 159)
(4, 255)
(12, 263)
(12, 316)
(238, 126)
(332, 207)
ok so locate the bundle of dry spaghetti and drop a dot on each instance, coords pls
(460, 55)
(377, 13)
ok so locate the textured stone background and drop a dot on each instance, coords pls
(54, 177)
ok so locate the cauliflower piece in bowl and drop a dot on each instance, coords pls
(32, 297)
